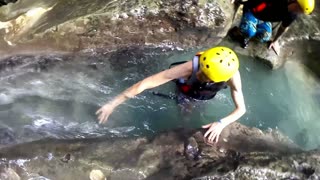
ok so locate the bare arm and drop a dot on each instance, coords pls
(274, 44)
(153, 81)
(237, 97)
(279, 33)
(215, 128)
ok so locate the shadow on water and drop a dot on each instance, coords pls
(57, 96)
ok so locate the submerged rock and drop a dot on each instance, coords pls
(191, 149)
(7, 136)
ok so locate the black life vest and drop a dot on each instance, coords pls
(195, 88)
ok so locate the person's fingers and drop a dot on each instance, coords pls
(206, 126)
(271, 45)
(98, 111)
(216, 134)
(217, 137)
(212, 136)
(101, 121)
(105, 118)
(208, 132)
(102, 117)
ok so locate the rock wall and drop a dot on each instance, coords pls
(112, 24)
(56, 25)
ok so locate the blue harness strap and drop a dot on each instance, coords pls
(195, 68)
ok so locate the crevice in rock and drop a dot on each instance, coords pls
(5, 2)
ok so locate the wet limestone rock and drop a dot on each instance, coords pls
(8, 174)
(110, 24)
(177, 154)
(82, 25)
(272, 166)
(7, 136)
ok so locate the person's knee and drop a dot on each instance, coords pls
(263, 36)
(264, 31)
(248, 29)
(248, 25)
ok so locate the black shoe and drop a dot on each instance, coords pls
(235, 34)
(245, 43)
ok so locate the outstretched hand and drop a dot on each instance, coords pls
(104, 112)
(214, 131)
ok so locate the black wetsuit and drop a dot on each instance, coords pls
(196, 89)
(271, 10)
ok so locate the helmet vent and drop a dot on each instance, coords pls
(221, 61)
(207, 66)
(228, 64)
(230, 52)
(218, 54)
(233, 60)
(204, 58)
(222, 49)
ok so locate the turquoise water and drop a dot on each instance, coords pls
(57, 96)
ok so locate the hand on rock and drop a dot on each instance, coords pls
(214, 131)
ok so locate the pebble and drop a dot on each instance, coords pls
(97, 175)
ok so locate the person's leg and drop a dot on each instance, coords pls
(185, 105)
(189, 109)
(264, 31)
(248, 27)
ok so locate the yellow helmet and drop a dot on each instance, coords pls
(219, 63)
(306, 5)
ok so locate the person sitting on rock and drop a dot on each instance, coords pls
(199, 79)
(258, 15)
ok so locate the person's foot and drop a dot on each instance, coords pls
(235, 34)
(245, 43)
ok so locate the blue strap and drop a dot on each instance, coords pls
(195, 68)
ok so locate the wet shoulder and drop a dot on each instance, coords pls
(181, 71)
